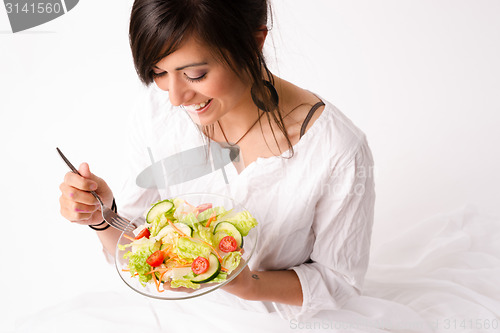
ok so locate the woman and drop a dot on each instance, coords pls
(302, 168)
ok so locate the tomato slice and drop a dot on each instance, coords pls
(200, 265)
(144, 233)
(228, 244)
(156, 259)
(203, 207)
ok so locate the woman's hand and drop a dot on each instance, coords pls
(77, 203)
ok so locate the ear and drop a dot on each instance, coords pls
(260, 36)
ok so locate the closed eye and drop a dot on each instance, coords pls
(195, 79)
(156, 75)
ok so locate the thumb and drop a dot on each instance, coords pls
(84, 170)
(98, 185)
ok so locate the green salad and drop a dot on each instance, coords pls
(182, 245)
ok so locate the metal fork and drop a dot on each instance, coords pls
(112, 218)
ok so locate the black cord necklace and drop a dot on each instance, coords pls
(234, 144)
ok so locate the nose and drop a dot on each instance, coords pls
(179, 92)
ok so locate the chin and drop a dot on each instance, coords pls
(202, 121)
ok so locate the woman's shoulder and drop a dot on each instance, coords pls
(332, 130)
(334, 142)
(342, 127)
(316, 120)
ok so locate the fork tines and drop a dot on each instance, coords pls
(120, 223)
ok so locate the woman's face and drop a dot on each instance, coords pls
(196, 80)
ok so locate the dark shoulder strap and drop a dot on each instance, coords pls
(309, 116)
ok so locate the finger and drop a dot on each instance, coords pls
(84, 170)
(73, 194)
(80, 211)
(77, 212)
(81, 218)
(79, 182)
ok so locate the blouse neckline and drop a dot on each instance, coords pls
(306, 137)
(315, 127)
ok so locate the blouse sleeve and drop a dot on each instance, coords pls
(342, 229)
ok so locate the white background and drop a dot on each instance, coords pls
(420, 78)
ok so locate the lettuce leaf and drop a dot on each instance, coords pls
(158, 224)
(243, 221)
(186, 283)
(178, 202)
(221, 277)
(137, 264)
(189, 219)
(231, 261)
(188, 249)
(145, 244)
(205, 215)
(204, 234)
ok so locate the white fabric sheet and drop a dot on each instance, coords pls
(439, 276)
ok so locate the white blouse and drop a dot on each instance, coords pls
(315, 210)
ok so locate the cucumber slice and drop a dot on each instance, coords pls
(158, 208)
(211, 273)
(230, 230)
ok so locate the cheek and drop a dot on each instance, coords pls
(227, 88)
(161, 83)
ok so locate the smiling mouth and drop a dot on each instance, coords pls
(197, 107)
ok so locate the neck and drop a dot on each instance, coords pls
(236, 122)
(243, 117)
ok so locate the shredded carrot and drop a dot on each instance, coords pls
(128, 237)
(155, 270)
(223, 269)
(128, 270)
(212, 218)
(168, 247)
(187, 203)
(161, 276)
(171, 258)
(178, 260)
(175, 228)
(157, 283)
(168, 251)
(195, 211)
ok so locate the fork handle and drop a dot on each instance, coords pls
(97, 197)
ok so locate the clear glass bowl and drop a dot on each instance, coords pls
(250, 242)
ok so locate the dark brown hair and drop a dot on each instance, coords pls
(159, 27)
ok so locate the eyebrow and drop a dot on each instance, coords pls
(186, 66)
